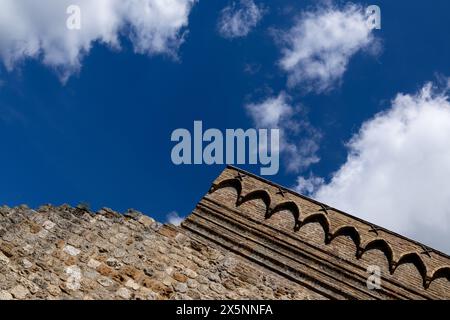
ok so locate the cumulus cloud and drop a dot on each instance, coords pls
(174, 218)
(37, 29)
(298, 139)
(317, 49)
(396, 173)
(238, 19)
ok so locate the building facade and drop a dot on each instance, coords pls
(247, 238)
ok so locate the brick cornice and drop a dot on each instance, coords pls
(275, 200)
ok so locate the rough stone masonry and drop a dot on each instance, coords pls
(70, 253)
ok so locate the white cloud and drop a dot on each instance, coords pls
(238, 19)
(317, 49)
(398, 168)
(37, 29)
(276, 112)
(174, 218)
(308, 185)
(270, 112)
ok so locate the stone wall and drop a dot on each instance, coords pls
(69, 253)
(247, 238)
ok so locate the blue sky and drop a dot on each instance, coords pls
(102, 134)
